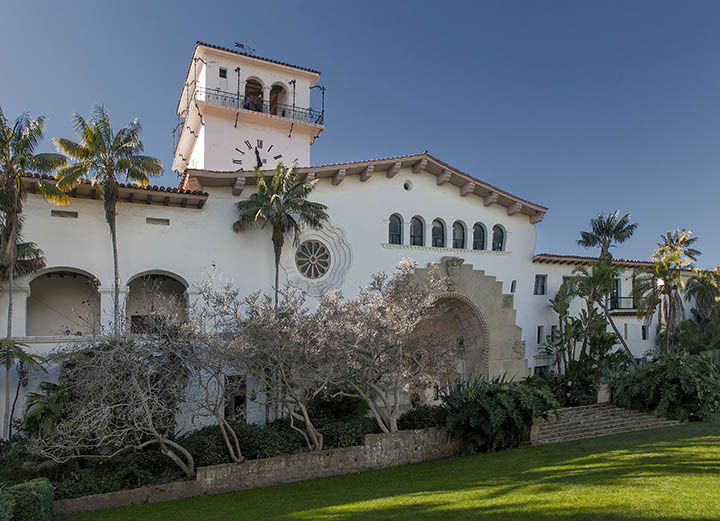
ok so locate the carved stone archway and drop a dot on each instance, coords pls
(493, 341)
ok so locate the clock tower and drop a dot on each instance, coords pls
(238, 111)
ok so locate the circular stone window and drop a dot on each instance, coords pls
(312, 259)
(407, 185)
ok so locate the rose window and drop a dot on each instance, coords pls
(312, 258)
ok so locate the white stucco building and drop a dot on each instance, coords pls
(240, 109)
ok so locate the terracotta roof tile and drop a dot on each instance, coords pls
(269, 60)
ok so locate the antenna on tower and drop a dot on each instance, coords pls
(244, 47)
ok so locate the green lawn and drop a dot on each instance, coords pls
(671, 473)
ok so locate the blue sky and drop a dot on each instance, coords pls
(583, 107)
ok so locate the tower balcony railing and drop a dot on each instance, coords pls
(252, 103)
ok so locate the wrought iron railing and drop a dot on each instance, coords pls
(619, 303)
(239, 101)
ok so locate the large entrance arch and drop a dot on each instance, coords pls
(483, 319)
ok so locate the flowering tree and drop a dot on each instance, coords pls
(293, 353)
(124, 393)
(393, 341)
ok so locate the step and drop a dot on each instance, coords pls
(598, 428)
(597, 434)
(597, 423)
(591, 421)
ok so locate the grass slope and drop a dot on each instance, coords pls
(670, 473)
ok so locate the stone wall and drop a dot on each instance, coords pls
(378, 451)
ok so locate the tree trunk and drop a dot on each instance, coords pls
(11, 253)
(610, 321)
(12, 410)
(583, 350)
(277, 240)
(110, 192)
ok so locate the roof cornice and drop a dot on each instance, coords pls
(445, 174)
(157, 195)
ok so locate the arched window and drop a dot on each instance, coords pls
(478, 237)
(458, 235)
(498, 239)
(417, 232)
(253, 96)
(395, 229)
(438, 234)
(277, 100)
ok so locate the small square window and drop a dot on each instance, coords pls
(64, 214)
(223, 72)
(540, 281)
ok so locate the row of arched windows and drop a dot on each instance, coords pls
(438, 234)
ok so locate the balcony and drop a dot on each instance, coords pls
(621, 304)
(239, 101)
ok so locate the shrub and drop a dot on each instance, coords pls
(256, 441)
(6, 506)
(347, 433)
(33, 500)
(326, 406)
(422, 417)
(493, 414)
(685, 387)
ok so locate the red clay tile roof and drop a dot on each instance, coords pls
(552, 258)
(152, 188)
(234, 51)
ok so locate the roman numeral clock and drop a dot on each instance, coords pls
(252, 153)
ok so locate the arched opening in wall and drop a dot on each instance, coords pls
(253, 96)
(498, 238)
(478, 237)
(155, 296)
(417, 232)
(438, 234)
(458, 235)
(63, 303)
(459, 321)
(278, 100)
(395, 229)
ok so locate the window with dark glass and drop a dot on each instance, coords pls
(540, 334)
(644, 332)
(417, 235)
(458, 235)
(395, 230)
(478, 237)
(498, 239)
(438, 234)
(223, 72)
(540, 281)
(513, 285)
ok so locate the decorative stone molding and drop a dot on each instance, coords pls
(490, 333)
(441, 250)
(333, 237)
(452, 267)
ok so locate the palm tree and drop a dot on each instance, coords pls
(704, 289)
(13, 352)
(44, 407)
(598, 281)
(17, 161)
(660, 287)
(105, 156)
(607, 231)
(282, 204)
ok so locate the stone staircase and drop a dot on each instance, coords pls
(591, 421)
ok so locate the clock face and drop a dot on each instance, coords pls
(255, 153)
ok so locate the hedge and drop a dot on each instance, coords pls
(684, 387)
(6, 506)
(31, 501)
